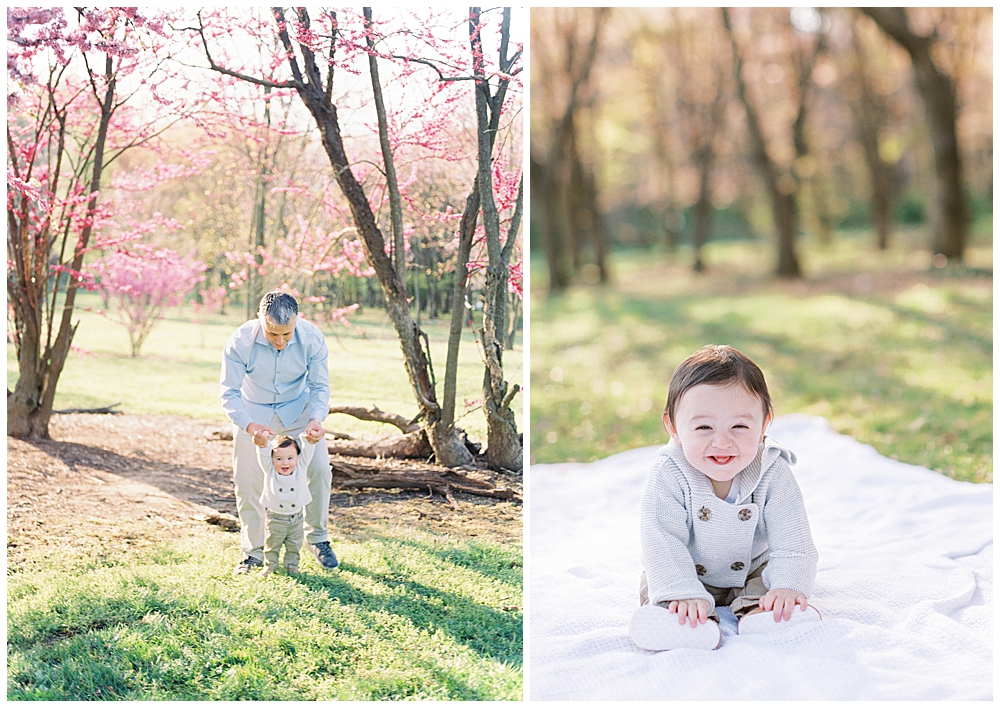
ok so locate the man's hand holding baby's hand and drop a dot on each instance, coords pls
(694, 610)
(260, 434)
(314, 431)
(782, 601)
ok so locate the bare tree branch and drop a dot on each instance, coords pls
(235, 74)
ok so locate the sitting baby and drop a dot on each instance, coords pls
(722, 520)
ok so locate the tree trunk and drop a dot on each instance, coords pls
(257, 242)
(448, 448)
(546, 201)
(503, 442)
(869, 113)
(937, 90)
(395, 201)
(702, 212)
(29, 408)
(466, 232)
(781, 191)
(554, 174)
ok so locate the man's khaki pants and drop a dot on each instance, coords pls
(248, 478)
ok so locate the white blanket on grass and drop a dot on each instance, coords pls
(905, 586)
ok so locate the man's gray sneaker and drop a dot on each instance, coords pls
(324, 554)
(244, 566)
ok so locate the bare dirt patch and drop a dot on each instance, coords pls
(123, 481)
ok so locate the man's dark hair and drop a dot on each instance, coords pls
(285, 441)
(717, 365)
(278, 308)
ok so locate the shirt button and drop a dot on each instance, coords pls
(737, 566)
(745, 514)
(700, 569)
(704, 513)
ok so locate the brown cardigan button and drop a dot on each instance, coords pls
(700, 569)
(737, 566)
(704, 513)
(745, 514)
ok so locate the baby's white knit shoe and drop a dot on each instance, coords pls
(763, 622)
(656, 629)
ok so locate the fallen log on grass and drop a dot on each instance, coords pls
(412, 445)
(377, 416)
(102, 410)
(392, 474)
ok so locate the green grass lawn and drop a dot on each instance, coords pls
(177, 371)
(410, 614)
(890, 351)
(154, 613)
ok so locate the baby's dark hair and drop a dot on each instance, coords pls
(285, 441)
(717, 365)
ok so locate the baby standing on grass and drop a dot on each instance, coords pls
(284, 461)
(722, 519)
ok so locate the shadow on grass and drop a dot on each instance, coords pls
(208, 487)
(492, 633)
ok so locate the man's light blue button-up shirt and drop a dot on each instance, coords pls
(258, 380)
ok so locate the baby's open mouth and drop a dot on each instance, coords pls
(720, 459)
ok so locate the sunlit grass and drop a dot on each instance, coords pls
(413, 615)
(178, 369)
(906, 368)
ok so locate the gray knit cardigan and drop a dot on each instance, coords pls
(690, 536)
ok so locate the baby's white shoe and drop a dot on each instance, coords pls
(763, 622)
(656, 629)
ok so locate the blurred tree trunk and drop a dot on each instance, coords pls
(548, 211)
(599, 231)
(584, 214)
(660, 122)
(702, 212)
(781, 185)
(553, 172)
(579, 213)
(705, 122)
(869, 119)
(937, 90)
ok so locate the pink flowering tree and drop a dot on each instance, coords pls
(294, 263)
(137, 284)
(74, 79)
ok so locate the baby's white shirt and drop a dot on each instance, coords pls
(734, 490)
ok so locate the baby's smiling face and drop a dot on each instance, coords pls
(719, 428)
(284, 460)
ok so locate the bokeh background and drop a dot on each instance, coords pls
(812, 187)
